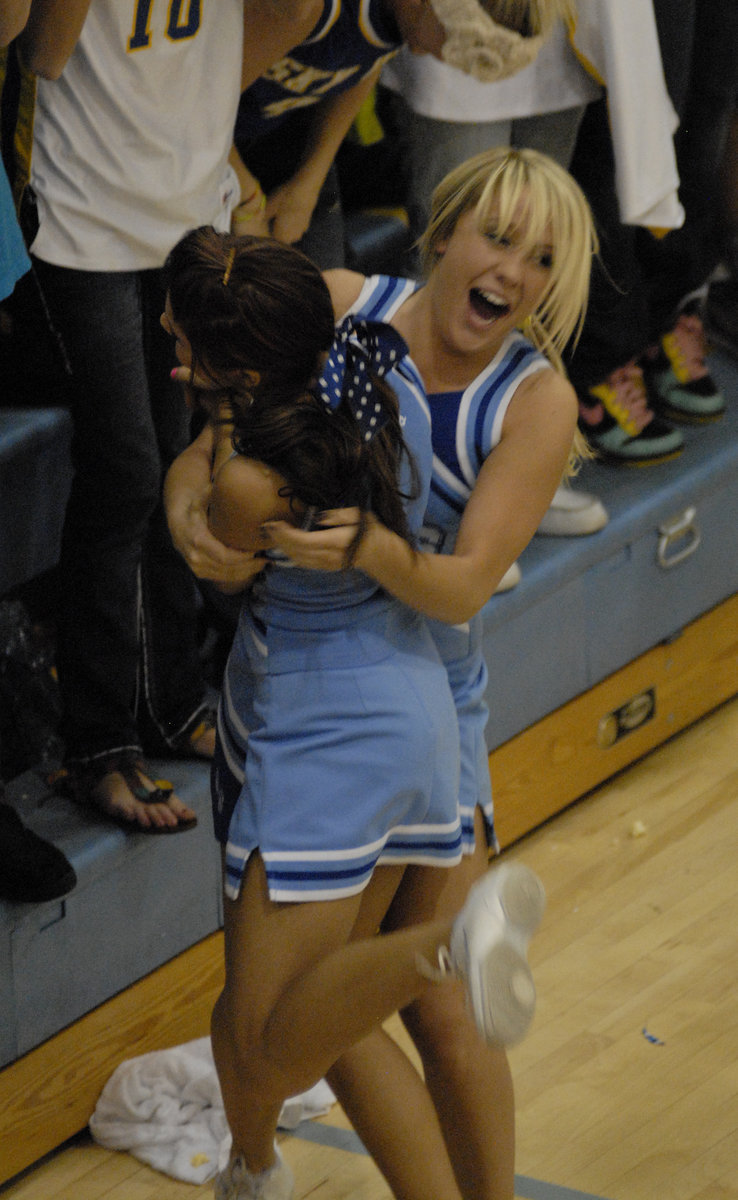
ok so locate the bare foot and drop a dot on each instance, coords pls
(203, 743)
(113, 796)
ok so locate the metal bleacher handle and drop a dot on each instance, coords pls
(684, 529)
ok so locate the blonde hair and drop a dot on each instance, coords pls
(511, 189)
(532, 18)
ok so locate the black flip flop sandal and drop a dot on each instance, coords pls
(79, 782)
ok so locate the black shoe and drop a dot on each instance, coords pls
(31, 869)
(681, 387)
(721, 315)
(617, 420)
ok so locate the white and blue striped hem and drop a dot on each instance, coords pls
(295, 875)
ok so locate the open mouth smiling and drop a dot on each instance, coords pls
(487, 305)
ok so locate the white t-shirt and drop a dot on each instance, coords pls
(131, 142)
(618, 42)
(554, 81)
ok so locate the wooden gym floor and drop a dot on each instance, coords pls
(627, 1087)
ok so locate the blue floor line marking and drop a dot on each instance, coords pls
(536, 1189)
(347, 1139)
(329, 1135)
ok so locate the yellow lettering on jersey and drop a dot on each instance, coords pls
(299, 79)
(336, 78)
(278, 107)
(282, 70)
(303, 82)
(291, 102)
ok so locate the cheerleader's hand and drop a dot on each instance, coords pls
(200, 393)
(191, 379)
(207, 557)
(324, 547)
(186, 496)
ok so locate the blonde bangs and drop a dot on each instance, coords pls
(508, 188)
(554, 198)
(525, 188)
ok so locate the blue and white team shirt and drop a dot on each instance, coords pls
(465, 425)
(338, 744)
(465, 428)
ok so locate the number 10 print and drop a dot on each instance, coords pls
(183, 22)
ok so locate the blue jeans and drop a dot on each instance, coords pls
(685, 258)
(432, 147)
(127, 649)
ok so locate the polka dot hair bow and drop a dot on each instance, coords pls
(360, 351)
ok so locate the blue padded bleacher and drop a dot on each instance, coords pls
(35, 476)
(586, 606)
(140, 900)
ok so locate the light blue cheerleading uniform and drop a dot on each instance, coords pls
(337, 740)
(465, 428)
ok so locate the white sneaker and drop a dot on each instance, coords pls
(510, 579)
(238, 1183)
(571, 513)
(487, 950)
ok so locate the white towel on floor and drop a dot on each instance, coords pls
(166, 1109)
